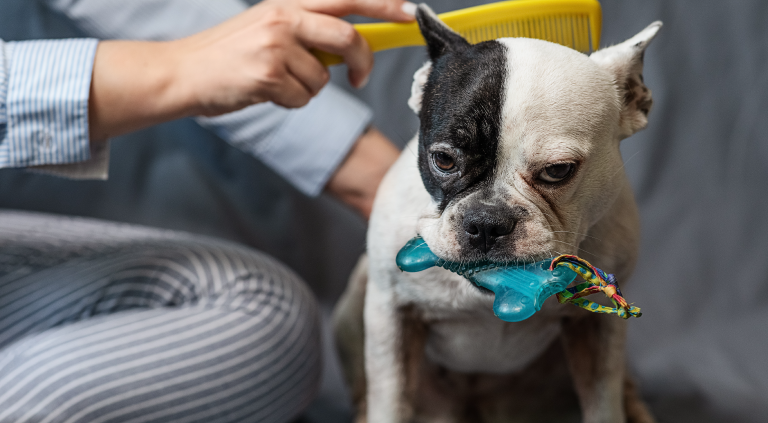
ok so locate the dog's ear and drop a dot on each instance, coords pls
(417, 88)
(625, 63)
(440, 40)
(439, 37)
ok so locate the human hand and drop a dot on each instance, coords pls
(359, 175)
(260, 55)
(264, 53)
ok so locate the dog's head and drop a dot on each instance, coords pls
(519, 140)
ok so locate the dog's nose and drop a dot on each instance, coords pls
(484, 226)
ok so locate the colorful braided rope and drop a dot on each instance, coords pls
(596, 281)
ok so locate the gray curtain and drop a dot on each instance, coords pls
(700, 351)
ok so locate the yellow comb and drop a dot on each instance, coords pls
(572, 23)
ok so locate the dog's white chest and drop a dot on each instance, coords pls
(485, 344)
(464, 335)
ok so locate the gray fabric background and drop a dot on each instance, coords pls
(701, 348)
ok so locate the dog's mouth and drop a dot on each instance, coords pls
(419, 252)
(475, 261)
(468, 268)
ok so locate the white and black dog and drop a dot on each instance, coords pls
(517, 159)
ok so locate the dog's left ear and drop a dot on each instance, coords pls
(440, 40)
(625, 63)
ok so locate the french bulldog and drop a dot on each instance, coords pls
(516, 160)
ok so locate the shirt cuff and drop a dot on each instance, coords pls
(304, 146)
(97, 167)
(48, 88)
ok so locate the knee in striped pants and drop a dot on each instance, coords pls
(102, 322)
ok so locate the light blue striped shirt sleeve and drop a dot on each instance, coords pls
(304, 146)
(44, 90)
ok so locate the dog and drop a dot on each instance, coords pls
(516, 159)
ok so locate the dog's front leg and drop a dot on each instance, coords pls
(384, 367)
(594, 347)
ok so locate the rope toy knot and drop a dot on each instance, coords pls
(596, 281)
(609, 291)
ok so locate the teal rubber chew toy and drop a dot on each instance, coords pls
(520, 288)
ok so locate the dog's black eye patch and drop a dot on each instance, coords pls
(461, 118)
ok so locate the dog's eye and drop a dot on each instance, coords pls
(443, 161)
(556, 172)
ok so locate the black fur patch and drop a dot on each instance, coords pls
(440, 39)
(461, 111)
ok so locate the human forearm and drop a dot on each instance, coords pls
(134, 85)
(357, 179)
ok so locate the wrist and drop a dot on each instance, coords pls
(134, 85)
(169, 81)
(183, 69)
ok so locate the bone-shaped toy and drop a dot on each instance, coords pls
(521, 289)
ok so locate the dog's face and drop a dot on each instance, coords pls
(519, 141)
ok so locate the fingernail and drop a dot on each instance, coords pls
(409, 8)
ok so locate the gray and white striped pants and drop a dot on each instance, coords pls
(104, 322)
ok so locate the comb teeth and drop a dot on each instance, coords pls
(568, 30)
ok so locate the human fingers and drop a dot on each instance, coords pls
(307, 69)
(289, 92)
(389, 10)
(271, 78)
(335, 36)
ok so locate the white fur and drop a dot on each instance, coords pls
(417, 89)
